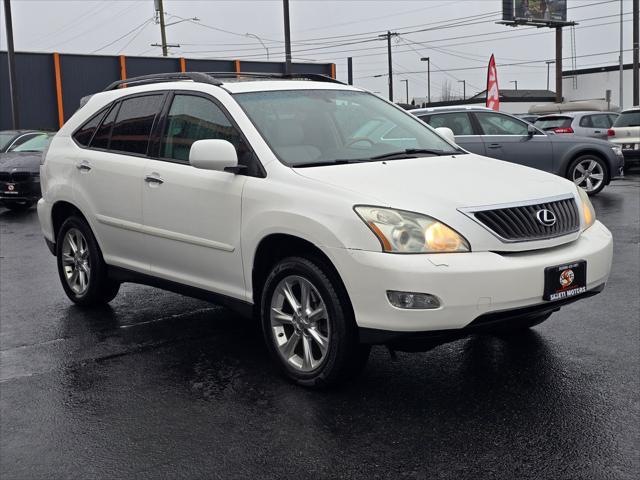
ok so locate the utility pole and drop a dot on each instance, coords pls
(287, 38)
(350, 70)
(548, 62)
(426, 59)
(516, 82)
(558, 64)
(636, 53)
(464, 88)
(407, 85)
(388, 35)
(621, 59)
(163, 33)
(11, 63)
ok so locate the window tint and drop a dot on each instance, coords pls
(84, 134)
(458, 122)
(134, 122)
(103, 134)
(612, 118)
(600, 121)
(586, 121)
(194, 118)
(549, 123)
(497, 124)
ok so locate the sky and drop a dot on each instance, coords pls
(457, 35)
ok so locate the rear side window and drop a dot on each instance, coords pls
(458, 122)
(103, 134)
(134, 122)
(595, 121)
(85, 133)
(549, 123)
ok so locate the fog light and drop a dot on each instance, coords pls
(412, 300)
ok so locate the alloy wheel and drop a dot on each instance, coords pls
(75, 261)
(588, 174)
(300, 323)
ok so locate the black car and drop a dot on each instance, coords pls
(20, 172)
(10, 139)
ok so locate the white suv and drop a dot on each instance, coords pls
(257, 192)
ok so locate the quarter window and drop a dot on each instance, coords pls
(194, 118)
(497, 124)
(84, 134)
(103, 134)
(134, 123)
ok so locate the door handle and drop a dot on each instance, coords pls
(153, 179)
(494, 145)
(83, 166)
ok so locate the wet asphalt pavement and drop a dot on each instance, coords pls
(163, 386)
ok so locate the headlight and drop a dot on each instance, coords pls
(407, 232)
(588, 212)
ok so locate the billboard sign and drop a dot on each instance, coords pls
(534, 11)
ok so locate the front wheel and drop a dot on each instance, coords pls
(308, 325)
(81, 268)
(589, 172)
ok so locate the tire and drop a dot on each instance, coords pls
(589, 172)
(331, 323)
(18, 206)
(88, 264)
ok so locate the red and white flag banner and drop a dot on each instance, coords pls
(493, 94)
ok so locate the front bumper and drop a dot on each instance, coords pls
(468, 285)
(20, 190)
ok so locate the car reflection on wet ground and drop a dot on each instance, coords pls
(162, 386)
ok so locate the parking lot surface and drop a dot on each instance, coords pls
(162, 386)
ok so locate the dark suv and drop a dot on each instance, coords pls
(590, 163)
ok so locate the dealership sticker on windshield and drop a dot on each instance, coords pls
(565, 281)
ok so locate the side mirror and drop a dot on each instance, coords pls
(447, 133)
(531, 130)
(217, 155)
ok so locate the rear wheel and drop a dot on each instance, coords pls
(589, 172)
(18, 206)
(308, 324)
(81, 267)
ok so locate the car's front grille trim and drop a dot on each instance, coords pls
(518, 223)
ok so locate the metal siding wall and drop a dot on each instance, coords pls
(86, 74)
(36, 91)
(83, 75)
(137, 66)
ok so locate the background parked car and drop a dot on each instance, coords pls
(590, 163)
(13, 138)
(527, 117)
(583, 124)
(625, 132)
(20, 172)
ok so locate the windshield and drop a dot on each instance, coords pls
(628, 119)
(5, 139)
(319, 127)
(548, 123)
(35, 144)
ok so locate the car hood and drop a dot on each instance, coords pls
(430, 184)
(25, 161)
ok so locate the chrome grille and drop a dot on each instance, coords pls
(519, 223)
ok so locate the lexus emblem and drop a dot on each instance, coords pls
(546, 217)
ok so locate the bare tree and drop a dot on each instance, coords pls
(447, 91)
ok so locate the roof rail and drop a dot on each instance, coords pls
(164, 77)
(316, 77)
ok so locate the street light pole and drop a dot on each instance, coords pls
(426, 59)
(407, 85)
(253, 35)
(464, 88)
(621, 59)
(11, 63)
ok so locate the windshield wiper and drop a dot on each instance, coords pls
(413, 151)
(336, 161)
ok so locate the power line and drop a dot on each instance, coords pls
(142, 25)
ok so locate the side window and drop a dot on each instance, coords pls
(194, 118)
(612, 119)
(498, 124)
(85, 133)
(586, 121)
(134, 123)
(103, 134)
(458, 122)
(600, 121)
